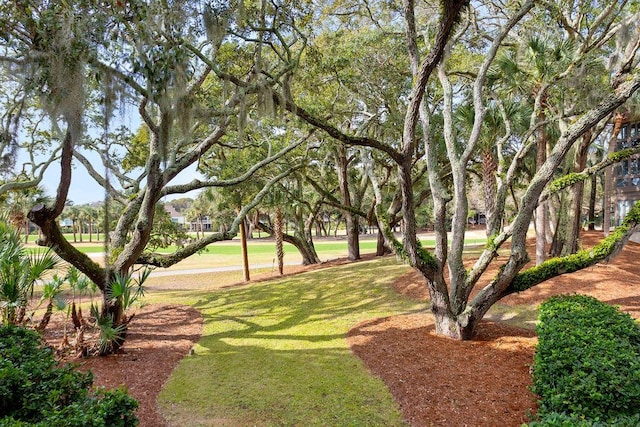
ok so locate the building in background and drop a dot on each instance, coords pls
(626, 176)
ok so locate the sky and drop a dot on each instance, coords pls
(84, 189)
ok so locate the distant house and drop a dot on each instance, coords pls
(176, 217)
(626, 176)
(204, 224)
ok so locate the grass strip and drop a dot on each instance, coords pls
(275, 353)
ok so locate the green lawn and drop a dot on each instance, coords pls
(275, 353)
(261, 252)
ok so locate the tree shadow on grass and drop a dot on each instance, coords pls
(312, 306)
(253, 382)
(276, 352)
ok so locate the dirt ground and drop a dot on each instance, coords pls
(436, 381)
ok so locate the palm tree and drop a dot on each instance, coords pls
(100, 221)
(92, 216)
(87, 221)
(495, 133)
(50, 293)
(277, 228)
(17, 205)
(88, 215)
(73, 213)
(18, 272)
(82, 215)
(531, 72)
(194, 215)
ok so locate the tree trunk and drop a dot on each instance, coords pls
(353, 237)
(45, 318)
(489, 169)
(569, 221)
(575, 211)
(448, 324)
(277, 228)
(306, 248)
(256, 218)
(592, 203)
(114, 310)
(351, 220)
(542, 221)
(562, 224)
(381, 246)
(245, 255)
(608, 175)
(542, 218)
(75, 317)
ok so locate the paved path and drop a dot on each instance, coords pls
(161, 272)
(164, 273)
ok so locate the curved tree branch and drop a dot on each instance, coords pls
(197, 184)
(334, 132)
(608, 248)
(164, 260)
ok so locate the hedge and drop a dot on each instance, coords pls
(35, 391)
(587, 364)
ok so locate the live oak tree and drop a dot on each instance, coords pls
(197, 75)
(364, 77)
(191, 73)
(437, 90)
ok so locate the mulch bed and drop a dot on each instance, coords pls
(159, 337)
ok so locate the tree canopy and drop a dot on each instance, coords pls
(389, 111)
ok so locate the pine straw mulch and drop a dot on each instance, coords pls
(436, 381)
(483, 382)
(158, 337)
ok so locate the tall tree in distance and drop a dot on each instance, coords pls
(193, 73)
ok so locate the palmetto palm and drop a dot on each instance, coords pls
(531, 70)
(19, 271)
(494, 130)
(17, 203)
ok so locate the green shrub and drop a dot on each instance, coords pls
(34, 390)
(587, 364)
(555, 419)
